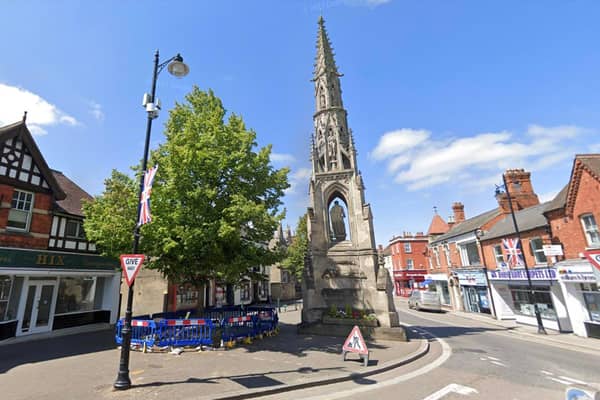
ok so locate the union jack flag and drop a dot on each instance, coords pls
(145, 216)
(513, 251)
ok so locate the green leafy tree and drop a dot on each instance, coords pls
(110, 218)
(294, 260)
(215, 200)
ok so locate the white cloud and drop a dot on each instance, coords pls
(282, 158)
(398, 141)
(298, 178)
(96, 111)
(40, 113)
(419, 161)
(547, 196)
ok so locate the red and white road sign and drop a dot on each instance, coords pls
(594, 257)
(355, 342)
(131, 264)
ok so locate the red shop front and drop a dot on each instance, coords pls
(408, 279)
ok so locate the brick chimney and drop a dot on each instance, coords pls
(521, 191)
(450, 221)
(459, 212)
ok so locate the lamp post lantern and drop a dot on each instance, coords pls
(538, 316)
(176, 67)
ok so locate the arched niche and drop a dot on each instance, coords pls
(338, 217)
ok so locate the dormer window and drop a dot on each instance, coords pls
(19, 216)
(74, 229)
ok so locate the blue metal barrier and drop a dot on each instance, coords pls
(185, 332)
(226, 323)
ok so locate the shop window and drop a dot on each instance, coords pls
(592, 300)
(19, 215)
(470, 254)
(409, 263)
(5, 288)
(74, 229)
(245, 291)
(498, 256)
(537, 250)
(263, 289)
(76, 294)
(407, 248)
(591, 230)
(187, 296)
(541, 296)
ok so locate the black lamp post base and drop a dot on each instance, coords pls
(123, 382)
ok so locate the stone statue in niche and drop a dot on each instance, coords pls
(332, 148)
(337, 221)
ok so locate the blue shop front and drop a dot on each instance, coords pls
(474, 290)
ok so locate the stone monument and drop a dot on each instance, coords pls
(342, 269)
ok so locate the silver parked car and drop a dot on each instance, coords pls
(425, 300)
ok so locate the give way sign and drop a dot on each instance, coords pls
(131, 264)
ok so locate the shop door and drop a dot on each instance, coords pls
(38, 309)
(472, 299)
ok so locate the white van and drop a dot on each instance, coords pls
(424, 300)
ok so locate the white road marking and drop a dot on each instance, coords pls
(566, 378)
(446, 353)
(546, 372)
(482, 358)
(494, 358)
(559, 380)
(498, 363)
(452, 388)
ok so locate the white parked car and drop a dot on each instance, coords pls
(424, 300)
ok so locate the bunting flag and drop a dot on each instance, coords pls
(513, 252)
(145, 216)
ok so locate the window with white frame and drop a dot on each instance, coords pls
(537, 250)
(409, 263)
(469, 254)
(74, 229)
(447, 254)
(430, 262)
(436, 253)
(498, 255)
(591, 230)
(19, 215)
(407, 248)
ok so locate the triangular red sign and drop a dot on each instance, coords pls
(355, 342)
(594, 257)
(131, 264)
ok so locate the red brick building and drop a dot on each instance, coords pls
(50, 276)
(409, 261)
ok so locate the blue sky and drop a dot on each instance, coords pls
(441, 96)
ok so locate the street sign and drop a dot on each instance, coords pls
(131, 264)
(355, 342)
(594, 257)
(552, 250)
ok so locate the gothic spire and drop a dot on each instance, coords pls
(324, 61)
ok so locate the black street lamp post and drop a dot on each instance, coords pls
(177, 68)
(538, 316)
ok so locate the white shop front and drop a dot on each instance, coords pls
(511, 293)
(579, 282)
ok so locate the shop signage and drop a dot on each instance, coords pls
(14, 258)
(471, 278)
(576, 273)
(535, 274)
(552, 250)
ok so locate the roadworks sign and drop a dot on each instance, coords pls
(355, 342)
(131, 264)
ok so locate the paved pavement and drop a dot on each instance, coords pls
(84, 366)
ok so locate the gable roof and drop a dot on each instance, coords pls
(587, 162)
(527, 219)
(438, 226)
(469, 225)
(559, 201)
(20, 129)
(72, 203)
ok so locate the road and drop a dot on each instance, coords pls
(472, 360)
